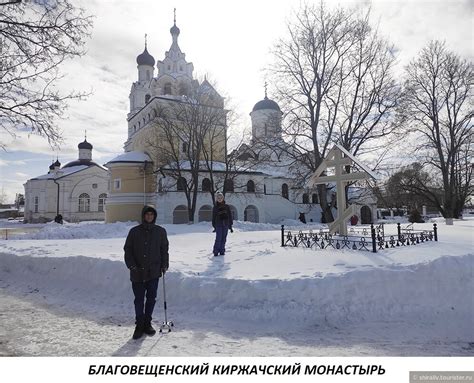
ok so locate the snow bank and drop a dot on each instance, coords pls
(99, 230)
(435, 291)
(54, 230)
(289, 224)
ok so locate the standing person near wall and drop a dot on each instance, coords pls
(222, 223)
(146, 256)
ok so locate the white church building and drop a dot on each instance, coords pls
(76, 190)
(265, 193)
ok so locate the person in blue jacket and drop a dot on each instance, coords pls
(221, 222)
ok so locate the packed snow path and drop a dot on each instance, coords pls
(72, 296)
(28, 329)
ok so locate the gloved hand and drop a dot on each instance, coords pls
(214, 230)
(231, 230)
(164, 269)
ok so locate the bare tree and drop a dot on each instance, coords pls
(3, 196)
(437, 109)
(395, 193)
(188, 130)
(36, 37)
(225, 174)
(333, 76)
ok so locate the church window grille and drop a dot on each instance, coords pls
(167, 88)
(305, 198)
(284, 191)
(84, 202)
(117, 184)
(206, 185)
(36, 204)
(181, 184)
(228, 186)
(102, 198)
(250, 186)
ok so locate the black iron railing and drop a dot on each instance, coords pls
(371, 240)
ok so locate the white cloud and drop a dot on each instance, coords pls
(229, 40)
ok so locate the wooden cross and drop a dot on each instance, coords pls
(338, 158)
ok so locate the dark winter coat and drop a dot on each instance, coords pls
(146, 250)
(222, 215)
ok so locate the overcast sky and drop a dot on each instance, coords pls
(230, 41)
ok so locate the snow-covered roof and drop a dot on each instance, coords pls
(279, 170)
(133, 156)
(61, 173)
(217, 166)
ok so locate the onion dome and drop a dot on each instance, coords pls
(85, 145)
(51, 167)
(266, 103)
(145, 58)
(57, 163)
(174, 30)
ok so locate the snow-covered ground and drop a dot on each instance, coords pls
(65, 291)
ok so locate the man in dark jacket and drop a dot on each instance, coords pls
(146, 255)
(222, 223)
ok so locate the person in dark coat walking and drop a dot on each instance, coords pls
(146, 256)
(221, 222)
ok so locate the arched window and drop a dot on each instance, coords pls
(147, 98)
(84, 203)
(180, 214)
(148, 74)
(314, 198)
(284, 191)
(167, 88)
(102, 198)
(305, 198)
(366, 215)
(206, 185)
(233, 210)
(250, 186)
(228, 186)
(181, 184)
(251, 214)
(205, 213)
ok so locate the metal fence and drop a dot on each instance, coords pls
(373, 239)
